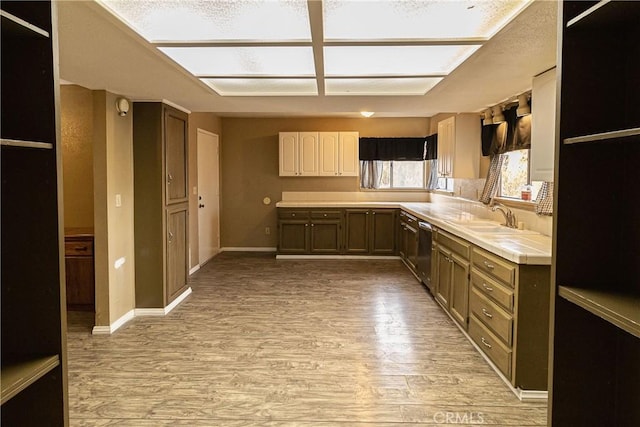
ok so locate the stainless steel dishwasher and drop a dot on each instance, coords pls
(424, 253)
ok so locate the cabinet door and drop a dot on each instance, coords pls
(288, 153)
(443, 284)
(328, 153)
(308, 153)
(382, 236)
(176, 262)
(293, 236)
(325, 236)
(348, 160)
(80, 282)
(176, 157)
(412, 247)
(459, 308)
(357, 231)
(446, 146)
(543, 126)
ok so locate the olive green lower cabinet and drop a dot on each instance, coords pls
(408, 240)
(503, 306)
(336, 231)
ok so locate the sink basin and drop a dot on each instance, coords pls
(474, 223)
(493, 228)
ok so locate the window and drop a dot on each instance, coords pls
(514, 175)
(402, 175)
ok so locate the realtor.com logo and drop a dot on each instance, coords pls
(458, 418)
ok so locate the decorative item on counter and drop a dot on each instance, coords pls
(525, 192)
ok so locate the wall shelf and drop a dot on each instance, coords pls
(25, 144)
(20, 27)
(18, 376)
(620, 309)
(603, 136)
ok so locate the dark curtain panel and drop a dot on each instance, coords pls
(512, 134)
(392, 148)
(431, 147)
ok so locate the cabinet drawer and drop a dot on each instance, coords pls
(78, 248)
(492, 289)
(293, 213)
(326, 214)
(409, 219)
(456, 245)
(499, 354)
(495, 318)
(495, 266)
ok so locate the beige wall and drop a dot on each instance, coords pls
(249, 170)
(114, 238)
(76, 105)
(211, 123)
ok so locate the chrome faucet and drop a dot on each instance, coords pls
(509, 217)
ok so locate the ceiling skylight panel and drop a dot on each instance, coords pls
(215, 20)
(417, 19)
(380, 86)
(244, 61)
(394, 60)
(263, 87)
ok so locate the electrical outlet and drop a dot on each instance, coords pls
(267, 230)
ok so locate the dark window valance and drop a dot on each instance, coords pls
(397, 148)
(512, 134)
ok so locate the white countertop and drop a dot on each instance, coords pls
(519, 246)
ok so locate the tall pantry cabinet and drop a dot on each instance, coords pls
(33, 324)
(595, 364)
(161, 201)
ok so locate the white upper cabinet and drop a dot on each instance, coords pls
(543, 126)
(328, 164)
(319, 153)
(298, 153)
(348, 157)
(459, 143)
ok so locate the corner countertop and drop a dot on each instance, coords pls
(519, 246)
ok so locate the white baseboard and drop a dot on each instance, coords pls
(194, 269)
(336, 257)
(143, 312)
(107, 330)
(247, 249)
(140, 312)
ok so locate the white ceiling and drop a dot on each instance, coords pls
(98, 51)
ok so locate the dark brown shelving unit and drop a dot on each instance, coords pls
(595, 336)
(33, 372)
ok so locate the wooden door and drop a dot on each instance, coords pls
(328, 153)
(459, 308)
(308, 153)
(208, 196)
(176, 156)
(382, 236)
(293, 236)
(348, 160)
(443, 284)
(357, 231)
(176, 243)
(288, 153)
(325, 236)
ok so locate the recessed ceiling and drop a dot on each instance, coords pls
(289, 39)
(99, 51)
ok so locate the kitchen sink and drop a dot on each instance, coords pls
(492, 228)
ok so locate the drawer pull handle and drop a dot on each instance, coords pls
(484, 285)
(306, 225)
(486, 313)
(325, 215)
(489, 266)
(293, 214)
(313, 225)
(170, 237)
(169, 178)
(486, 344)
(81, 248)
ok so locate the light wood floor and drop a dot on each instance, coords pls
(290, 343)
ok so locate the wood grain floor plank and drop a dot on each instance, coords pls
(290, 343)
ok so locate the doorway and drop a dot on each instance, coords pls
(208, 196)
